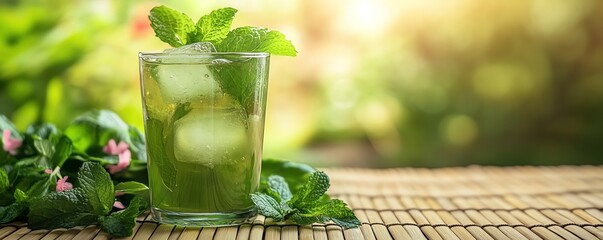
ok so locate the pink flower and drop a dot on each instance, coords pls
(48, 171)
(10, 144)
(124, 162)
(117, 194)
(115, 149)
(63, 185)
(118, 204)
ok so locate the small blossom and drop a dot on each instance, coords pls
(118, 204)
(63, 185)
(117, 194)
(10, 144)
(48, 171)
(124, 161)
(114, 149)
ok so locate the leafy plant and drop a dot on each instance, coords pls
(35, 176)
(308, 205)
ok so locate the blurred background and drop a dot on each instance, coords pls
(377, 83)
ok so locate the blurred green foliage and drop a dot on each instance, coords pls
(46, 45)
(399, 83)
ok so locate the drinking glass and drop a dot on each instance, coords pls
(204, 126)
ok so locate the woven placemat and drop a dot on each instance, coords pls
(564, 202)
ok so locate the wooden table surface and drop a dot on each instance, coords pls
(564, 202)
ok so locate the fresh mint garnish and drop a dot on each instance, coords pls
(171, 26)
(177, 29)
(214, 27)
(254, 39)
(308, 205)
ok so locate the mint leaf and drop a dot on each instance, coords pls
(4, 183)
(39, 188)
(168, 171)
(44, 147)
(348, 221)
(11, 212)
(120, 224)
(278, 188)
(20, 196)
(96, 185)
(254, 39)
(171, 26)
(238, 79)
(132, 188)
(308, 205)
(42, 130)
(337, 211)
(62, 150)
(15, 210)
(294, 173)
(304, 219)
(313, 189)
(215, 26)
(268, 206)
(323, 211)
(138, 144)
(61, 210)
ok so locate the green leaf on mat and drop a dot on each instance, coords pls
(97, 186)
(61, 210)
(120, 224)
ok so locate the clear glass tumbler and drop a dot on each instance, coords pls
(204, 125)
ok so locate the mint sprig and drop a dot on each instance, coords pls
(309, 205)
(177, 29)
(172, 27)
(255, 39)
(214, 27)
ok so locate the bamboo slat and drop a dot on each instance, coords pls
(476, 202)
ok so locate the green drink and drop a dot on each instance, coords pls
(204, 121)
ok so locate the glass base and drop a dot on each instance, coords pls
(218, 219)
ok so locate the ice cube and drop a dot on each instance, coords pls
(199, 47)
(185, 82)
(211, 136)
(181, 83)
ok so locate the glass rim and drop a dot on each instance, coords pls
(162, 55)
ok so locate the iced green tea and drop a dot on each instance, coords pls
(204, 120)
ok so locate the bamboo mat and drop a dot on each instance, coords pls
(563, 202)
